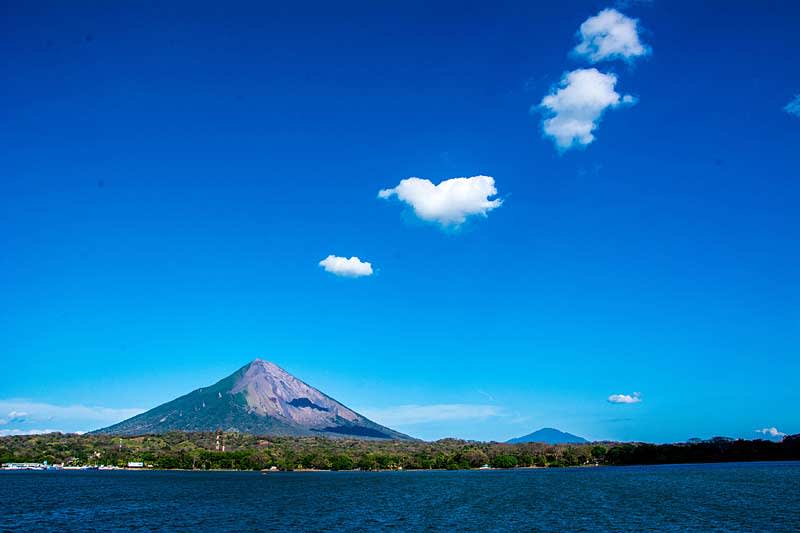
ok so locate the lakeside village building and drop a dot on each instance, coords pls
(46, 466)
(25, 466)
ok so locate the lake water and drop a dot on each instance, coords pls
(723, 497)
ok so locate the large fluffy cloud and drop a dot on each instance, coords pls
(625, 398)
(610, 35)
(793, 107)
(450, 202)
(349, 268)
(575, 107)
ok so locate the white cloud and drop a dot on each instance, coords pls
(15, 432)
(771, 432)
(487, 395)
(625, 398)
(450, 202)
(575, 107)
(404, 415)
(23, 413)
(610, 35)
(793, 107)
(342, 266)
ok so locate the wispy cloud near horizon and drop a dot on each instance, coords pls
(33, 431)
(411, 414)
(26, 417)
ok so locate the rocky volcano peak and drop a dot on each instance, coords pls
(271, 391)
(260, 398)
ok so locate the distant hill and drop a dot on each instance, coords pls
(549, 436)
(262, 399)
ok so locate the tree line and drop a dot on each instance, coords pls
(193, 451)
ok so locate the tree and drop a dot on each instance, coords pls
(342, 462)
(474, 457)
(504, 461)
(599, 452)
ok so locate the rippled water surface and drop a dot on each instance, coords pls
(723, 497)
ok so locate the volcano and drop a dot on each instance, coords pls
(261, 399)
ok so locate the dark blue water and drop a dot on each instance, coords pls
(722, 497)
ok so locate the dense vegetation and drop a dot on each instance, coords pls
(248, 452)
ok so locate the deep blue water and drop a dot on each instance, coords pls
(723, 497)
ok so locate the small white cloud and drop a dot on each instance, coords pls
(771, 432)
(450, 202)
(625, 398)
(342, 266)
(610, 35)
(404, 415)
(17, 415)
(793, 107)
(575, 107)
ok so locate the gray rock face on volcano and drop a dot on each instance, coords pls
(260, 398)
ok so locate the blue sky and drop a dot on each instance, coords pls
(172, 176)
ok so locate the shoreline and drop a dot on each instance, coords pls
(380, 471)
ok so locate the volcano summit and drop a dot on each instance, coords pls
(262, 399)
